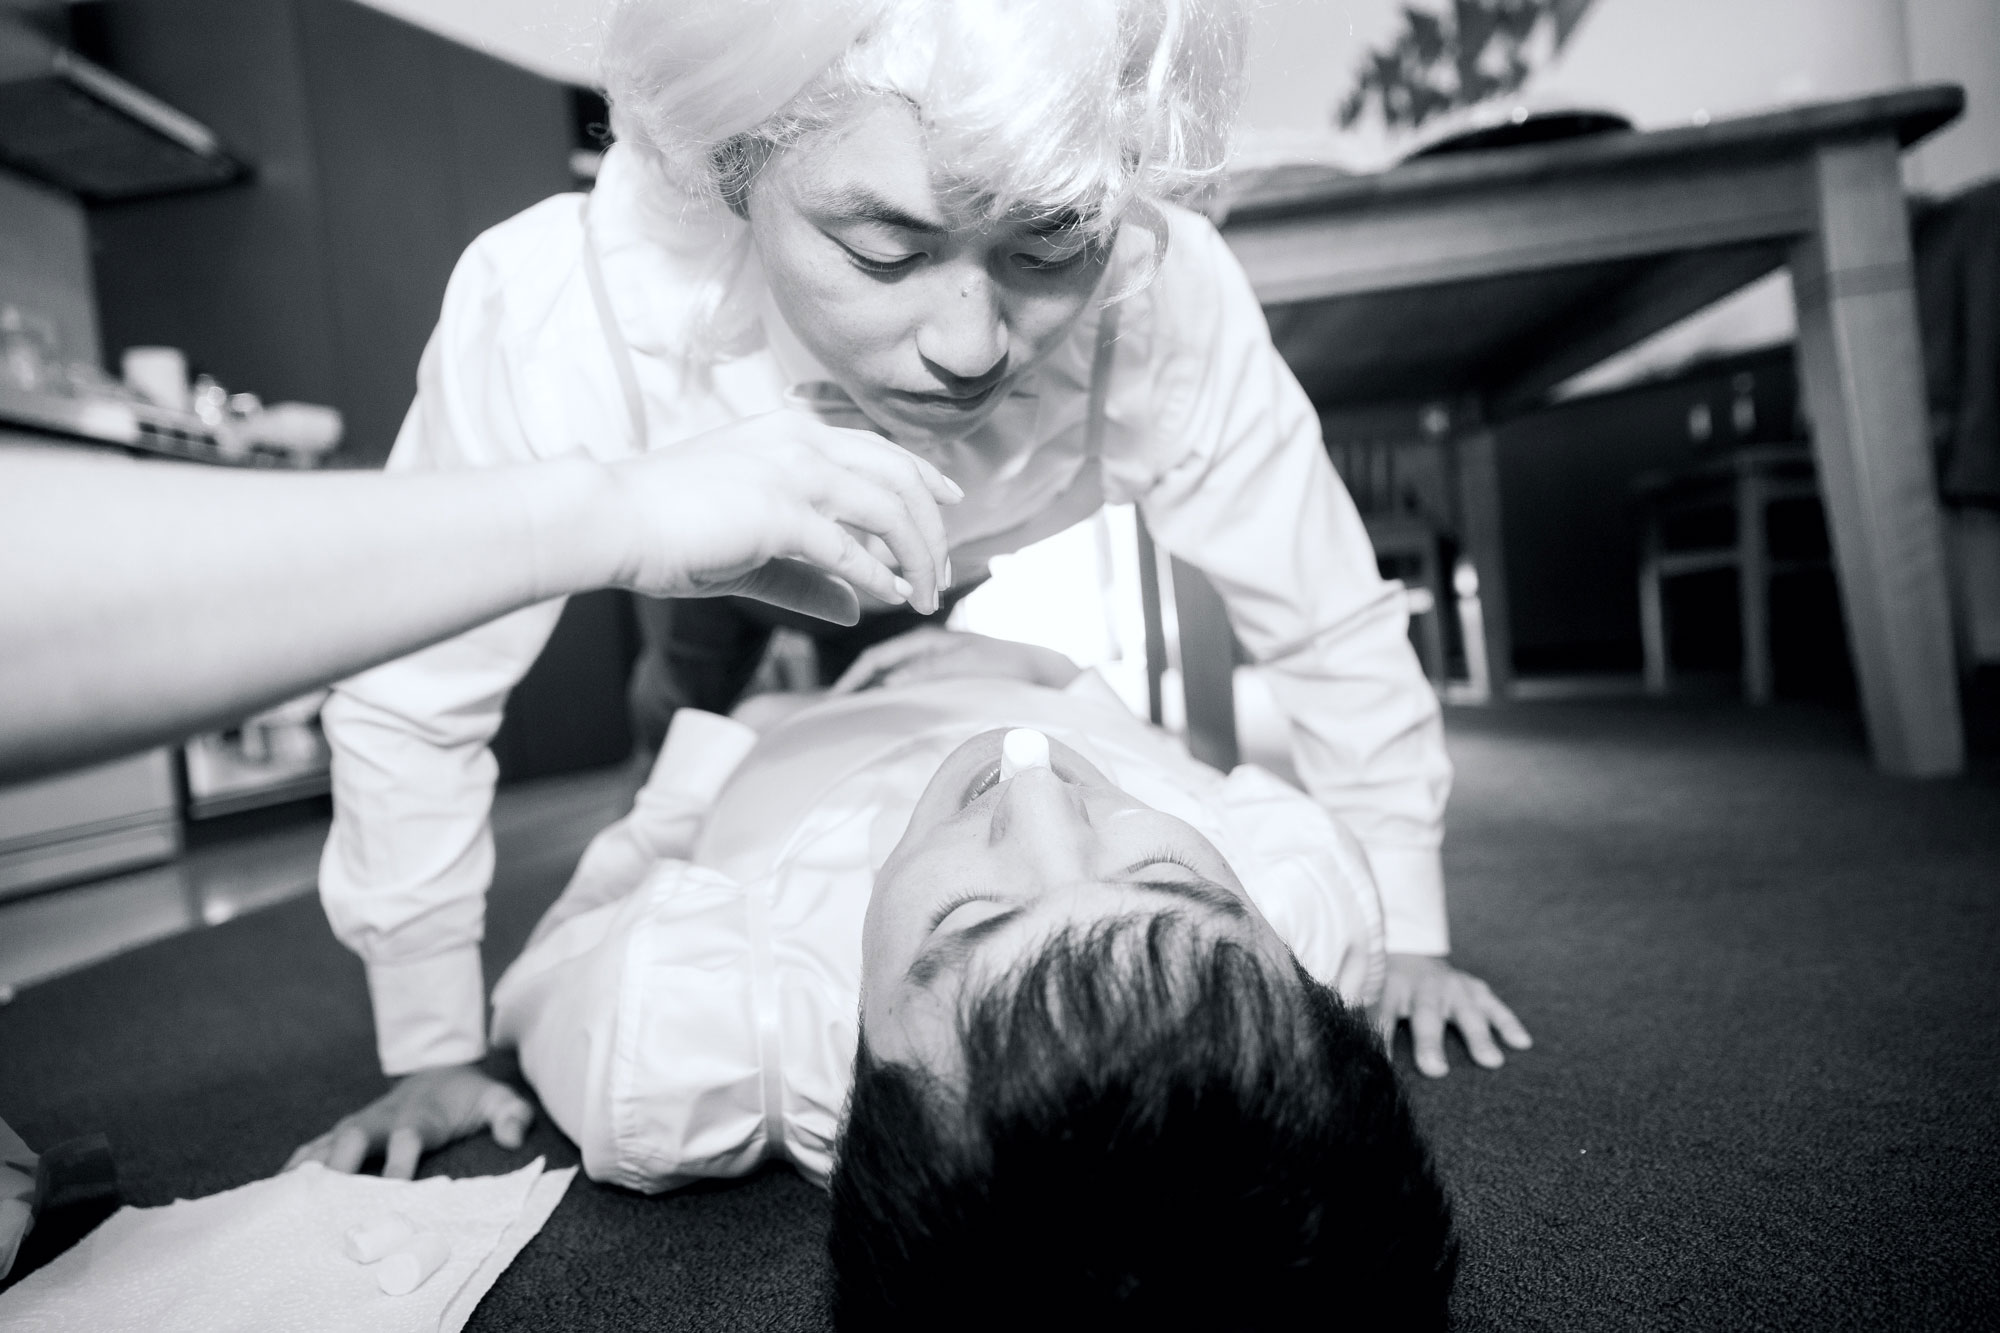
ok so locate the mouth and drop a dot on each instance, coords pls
(986, 776)
(951, 402)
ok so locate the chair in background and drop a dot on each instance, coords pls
(1408, 546)
(1719, 515)
(1208, 654)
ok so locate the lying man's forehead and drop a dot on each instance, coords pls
(959, 945)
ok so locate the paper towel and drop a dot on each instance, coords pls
(268, 1257)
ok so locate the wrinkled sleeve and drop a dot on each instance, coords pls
(1238, 484)
(636, 1024)
(701, 751)
(1310, 878)
(404, 874)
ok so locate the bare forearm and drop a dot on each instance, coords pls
(145, 601)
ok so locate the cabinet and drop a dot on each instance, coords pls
(89, 823)
(380, 151)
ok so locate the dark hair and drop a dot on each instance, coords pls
(1155, 1131)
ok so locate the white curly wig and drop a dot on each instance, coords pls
(1094, 111)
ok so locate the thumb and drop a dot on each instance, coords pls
(507, 1114)
(798, 586)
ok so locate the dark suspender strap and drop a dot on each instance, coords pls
(1100, 383)
(607, 321)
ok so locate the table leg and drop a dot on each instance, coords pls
(1478, 466)
(1753, 585)
(1861, 368)
(1653, 614)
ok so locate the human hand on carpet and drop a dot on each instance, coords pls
(1431, 993)
(929, 653)
(424, 1111)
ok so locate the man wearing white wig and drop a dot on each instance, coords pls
(953, 222)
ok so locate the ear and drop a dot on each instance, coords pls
(736, 163)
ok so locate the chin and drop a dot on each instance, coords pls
(915, 428)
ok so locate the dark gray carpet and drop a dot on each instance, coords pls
(1762, 982)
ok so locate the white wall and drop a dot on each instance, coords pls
(1662, 61)
(1958, 41)
(1659, 61)
(1302, 54)
(554, 38)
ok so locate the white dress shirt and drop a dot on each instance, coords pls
(689, 1007)
(1205, 430)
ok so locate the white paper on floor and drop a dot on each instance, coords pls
(268, 1257)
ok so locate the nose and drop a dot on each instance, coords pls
(1044, 821)
(964, 341)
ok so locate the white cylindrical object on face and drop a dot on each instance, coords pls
(371, 1240)
(410, 1267)
(1023, 748)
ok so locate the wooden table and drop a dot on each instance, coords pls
(1487, 279)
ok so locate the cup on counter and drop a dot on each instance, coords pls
(28, 354)
(159, 375)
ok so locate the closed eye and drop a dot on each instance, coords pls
(1165, 858)
(959, 943)
(1050, 263)
(882, 267)
(947, 908)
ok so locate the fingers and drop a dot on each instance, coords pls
(348, 1150)
(1510, 1027)
(878, 661)
(798, 586)
(858, 676)
(821, 541)
(918, 545)
(507, 1115)
(919, 485)
(309, 1152)
(1393, 1008)
(406, 1145)
(425, 1110)
(1470, 1020)
(1427, 1034)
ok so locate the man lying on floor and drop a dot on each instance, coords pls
(1094, 1018)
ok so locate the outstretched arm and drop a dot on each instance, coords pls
(143, 601)
(1242, 488)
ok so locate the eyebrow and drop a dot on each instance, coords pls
(959, 943)
(858, 203)
(1205, 892)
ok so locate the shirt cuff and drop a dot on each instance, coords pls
(702, 751)
(429, 1012)
(1411, 881)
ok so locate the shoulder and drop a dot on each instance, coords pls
(514, 272)
(1311, 878)
(1199, 291)
(1181, 332)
